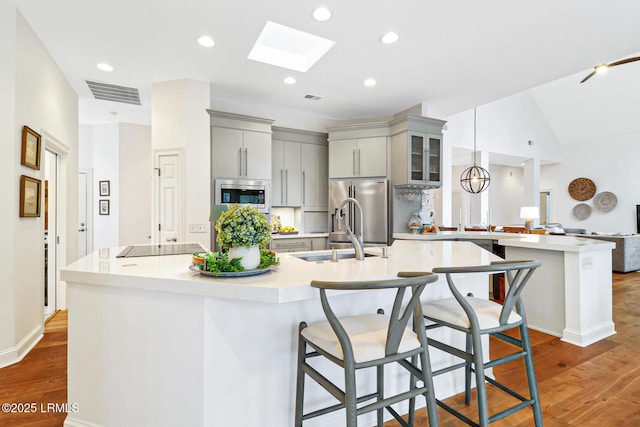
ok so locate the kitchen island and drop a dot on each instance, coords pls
(152, 343)
(570, 295)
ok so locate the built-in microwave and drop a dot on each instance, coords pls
(255, 193)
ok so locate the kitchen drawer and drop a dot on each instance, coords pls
(290, 245)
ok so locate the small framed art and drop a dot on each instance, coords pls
(30, 148)
(105, 188)
(29, 196)
(104, 207)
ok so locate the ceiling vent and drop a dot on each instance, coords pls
(109, 92)
(314, 97)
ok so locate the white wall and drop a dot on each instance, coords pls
(612, 164)
(180, 122)
(36, 94)
(105, 151)
(135, 177)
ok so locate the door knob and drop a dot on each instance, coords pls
(82, 229)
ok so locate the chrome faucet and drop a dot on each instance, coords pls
(357, 241)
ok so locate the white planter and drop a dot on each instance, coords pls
(250, 256)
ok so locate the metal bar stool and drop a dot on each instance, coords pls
(369, 340)
(477, 317)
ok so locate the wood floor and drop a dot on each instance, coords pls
(39, 381)
(594, 386)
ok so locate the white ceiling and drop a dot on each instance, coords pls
(452, 55)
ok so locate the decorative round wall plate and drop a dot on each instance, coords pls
(582, 211)
(582, 189)
(605, 201)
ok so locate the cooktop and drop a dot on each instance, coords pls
(155, 250)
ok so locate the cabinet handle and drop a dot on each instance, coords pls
(359, 162)
(240, 161)
(304, 192)
(286, 184)
(354, 161)
(246, 156)
(282, 186)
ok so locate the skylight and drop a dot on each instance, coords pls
(289, 48)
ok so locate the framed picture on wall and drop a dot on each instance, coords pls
(30, 148)
(29, 196)
(104, 207)
(105, 188)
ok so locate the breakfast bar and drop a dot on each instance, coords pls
(151, 342)
(571, 294)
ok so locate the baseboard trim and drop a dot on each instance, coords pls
(18, 352)
(74, 422)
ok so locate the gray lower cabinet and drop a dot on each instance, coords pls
(299, 244)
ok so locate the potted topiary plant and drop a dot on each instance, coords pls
(243, 230)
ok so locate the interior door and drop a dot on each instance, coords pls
(83, 230)
(170, 198)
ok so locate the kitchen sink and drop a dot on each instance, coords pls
(327, 256)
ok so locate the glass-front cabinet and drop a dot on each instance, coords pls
(416, 150)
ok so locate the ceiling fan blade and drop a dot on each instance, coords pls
(591, 74)
(625, 61)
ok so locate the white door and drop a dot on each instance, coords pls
(83, 230)
(169, 198)
(50, 225)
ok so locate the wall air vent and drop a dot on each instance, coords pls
(314, 97)
(109, 92)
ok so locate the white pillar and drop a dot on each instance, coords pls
(179, 121)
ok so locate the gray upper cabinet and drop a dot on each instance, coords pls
(416, 151)
(286, 169)
(358, 150)
(315, 176)
(299, 169)
(240, 146)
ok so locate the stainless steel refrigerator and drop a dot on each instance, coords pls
(373, 195)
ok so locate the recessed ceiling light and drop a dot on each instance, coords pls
(104, 66)
(322, 14)
(389, 38)
(206, 41)
(289, 48)
(289, 80)
(370, 82)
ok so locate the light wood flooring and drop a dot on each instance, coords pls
(594, 386)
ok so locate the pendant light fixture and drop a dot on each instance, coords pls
(475, 179)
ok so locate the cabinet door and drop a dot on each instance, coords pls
(417, 157)
(277, 172)
(227, 153)
(292, 173)
(371, 158)
(315, 178)
(317, 243)
(434, 159)
(256, 155)
(342, 158)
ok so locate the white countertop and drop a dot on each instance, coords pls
(533, 241)
(298, 236)
(285, 283)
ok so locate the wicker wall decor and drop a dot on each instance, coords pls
(582, 189)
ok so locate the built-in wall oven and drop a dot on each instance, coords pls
(256, 193)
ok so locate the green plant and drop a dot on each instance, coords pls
(242, 226)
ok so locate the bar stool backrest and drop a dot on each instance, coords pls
(517, 274)
(400, 313)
